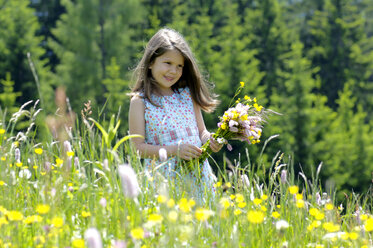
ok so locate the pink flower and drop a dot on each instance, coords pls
(93, 238)
(230, 148)
(130, 185)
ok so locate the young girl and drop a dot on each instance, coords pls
(168, 97)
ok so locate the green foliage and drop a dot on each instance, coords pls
(8, 96)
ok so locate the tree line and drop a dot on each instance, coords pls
(311, 61)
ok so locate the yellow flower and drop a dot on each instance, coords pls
(78, 243)
(363, 217)
(228, 185)
(330, 227)
(319, 216)
(247, 98)
(19, 164)
(257, 201)
(3, 221)
(300, 204)
(263, 208)
(155, 218)
(255, 217)
(172, 216)
(353, 235)
(170, 203)
(232, 197)
(85, 214)
(2, 131)
(264, 197)
(217, 185)
(32, 219)
(59, 162)
(275, 215)
(161, 199)
(237, 212)
(293, 189)
(299, 197)
(14, 216)
(42, 209)
(224, 202)
(3, 158)
(70, 153)
(185, 205)
(38, 151)
(57, 222)
(241, 204)
(242, 84)
(2, 183)
(203, 214)
(224, 126)
(137, 233)
(239, 198)
(369, 225)
(329, 206)
(313, 211)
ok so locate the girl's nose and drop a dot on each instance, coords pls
(173, 69)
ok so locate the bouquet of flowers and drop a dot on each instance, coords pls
(242, 121)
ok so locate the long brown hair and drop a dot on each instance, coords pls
(164, 40)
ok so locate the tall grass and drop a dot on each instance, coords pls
(52, 192)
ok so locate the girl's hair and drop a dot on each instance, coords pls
(164, 40)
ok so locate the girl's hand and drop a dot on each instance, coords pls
(188, 151)
(214, 145)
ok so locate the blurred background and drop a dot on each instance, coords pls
(310, 60)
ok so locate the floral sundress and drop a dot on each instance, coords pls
(171, 123)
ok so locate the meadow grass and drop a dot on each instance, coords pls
(54, 192)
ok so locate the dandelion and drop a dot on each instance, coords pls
(38, 151)
(2, 131)
(42, 208)
(282, 224)
(78, 243)
(172, 216)
(14, 216)
(93, 238)
(86, 214)
(353, 236)
(137, 233)
(275, 215)
(57, 222)
(203, 214)
(293, 189)
(255, 217)
(129, 182)
(162, 155)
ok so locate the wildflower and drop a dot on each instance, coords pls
(155, 218)
(245, 180)
(224, 202)
(257, 201)
(242, 84)
(329, 206)
(232, 197)
(32, 219)
(93, 238)
(130, 185)
(3, 221)
(78, 243)
(186, 205)
(137, 233)
(86, 214)
(103, 202)
(38, 151)
(42, 208)
(293, 189)
(70, 153)
(369, 225)
(283, 176)
(237, 212)
(217, 185)
(186, 233)
(275, 215)
(172, 216)
(203, 214)
(2, 183)
(57, 222)
(2, 131)
(59, 162)
(17, 155)
(14, 216)
(171, 203)
(25, 173)
(241, 204)
(161, 199)
(299, 204)
(162, 155)
(3, 158)
(282, 224)
(330, 227)
(255, 217)
(299, 197)
(67, 146)
(353, 236)
(264, 197)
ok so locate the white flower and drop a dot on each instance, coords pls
(25, 174)
(333, 235)
(162, 155)
(282, 224)
(93, 238)
(130, 185)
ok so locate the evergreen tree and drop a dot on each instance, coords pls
(88, 35)
(18, 26)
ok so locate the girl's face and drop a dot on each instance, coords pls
(167, 70)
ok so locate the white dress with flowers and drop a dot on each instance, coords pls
(171, 123)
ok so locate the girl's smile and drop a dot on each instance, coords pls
(167, 70)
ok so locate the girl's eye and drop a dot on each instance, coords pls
(169, 63)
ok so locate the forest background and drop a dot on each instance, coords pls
(311, 61)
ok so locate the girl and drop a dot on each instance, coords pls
(166, 104)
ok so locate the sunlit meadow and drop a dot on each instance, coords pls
(85, 187)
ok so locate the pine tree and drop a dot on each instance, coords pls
(88, 35)
(18, 26)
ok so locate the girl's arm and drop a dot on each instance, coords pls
(203, 133)
(136, 120)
